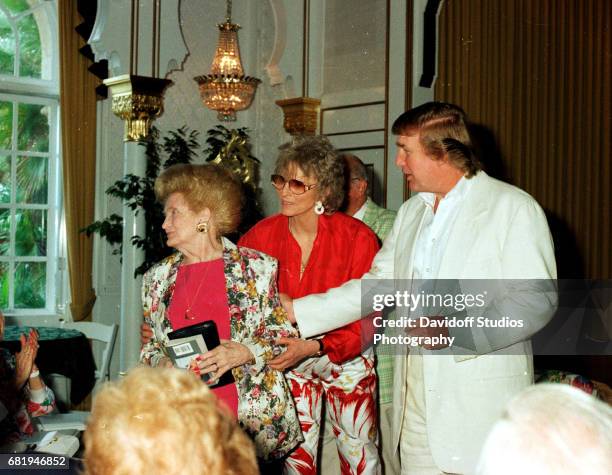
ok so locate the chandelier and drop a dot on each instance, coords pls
(226, 89)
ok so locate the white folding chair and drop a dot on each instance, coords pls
(105, 334)
(94, 331)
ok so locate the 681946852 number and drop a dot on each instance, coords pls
(32, 461)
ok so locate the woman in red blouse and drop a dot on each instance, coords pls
(318, 248)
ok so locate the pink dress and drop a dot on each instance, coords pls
(201, 288)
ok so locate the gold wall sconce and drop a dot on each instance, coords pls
(138, 100)
(300, 115)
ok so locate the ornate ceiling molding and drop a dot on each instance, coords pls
(139, 38)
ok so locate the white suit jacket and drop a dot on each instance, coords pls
(500, 233)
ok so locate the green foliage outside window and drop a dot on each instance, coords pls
(23, 177)
(26, 36)
(28, 187)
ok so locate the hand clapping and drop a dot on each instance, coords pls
(24, 359)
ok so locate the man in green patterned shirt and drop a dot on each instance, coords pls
(360, 205)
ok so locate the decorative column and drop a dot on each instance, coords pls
(134, 162)
(143, 44)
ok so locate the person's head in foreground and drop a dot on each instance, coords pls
(308, 177)
(550, 429)
(201, 203)
(164, 421)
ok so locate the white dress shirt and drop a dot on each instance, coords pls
(436, 229)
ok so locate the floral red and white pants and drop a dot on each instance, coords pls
(349, 391)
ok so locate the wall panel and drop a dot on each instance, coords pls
(537, 76)
(348, 71)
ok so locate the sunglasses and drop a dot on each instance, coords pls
(296, 187)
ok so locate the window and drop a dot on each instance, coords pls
(29, 157)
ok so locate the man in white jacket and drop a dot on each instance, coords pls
(461, 225)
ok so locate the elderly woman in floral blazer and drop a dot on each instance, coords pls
(209, 278)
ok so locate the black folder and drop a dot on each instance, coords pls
(208, 330)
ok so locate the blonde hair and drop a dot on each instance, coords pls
(317, 157)
(204, 186)
(162, 420)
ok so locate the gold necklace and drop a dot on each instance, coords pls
(302, 263)
(188, 314)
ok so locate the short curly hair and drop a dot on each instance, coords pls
(317, 157)
(164, 420)
(204, 186)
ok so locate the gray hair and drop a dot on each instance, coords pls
(550, 429)
(355, 166)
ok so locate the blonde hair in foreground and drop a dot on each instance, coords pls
(166, 421)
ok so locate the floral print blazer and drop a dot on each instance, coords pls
(265, 406)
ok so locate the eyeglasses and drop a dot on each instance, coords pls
(296, 187)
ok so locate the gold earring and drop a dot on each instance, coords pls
(202, 227)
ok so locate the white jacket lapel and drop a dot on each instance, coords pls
(466, 229)
(406, 242)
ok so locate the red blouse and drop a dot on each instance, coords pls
(343, 250)
(201, 288)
